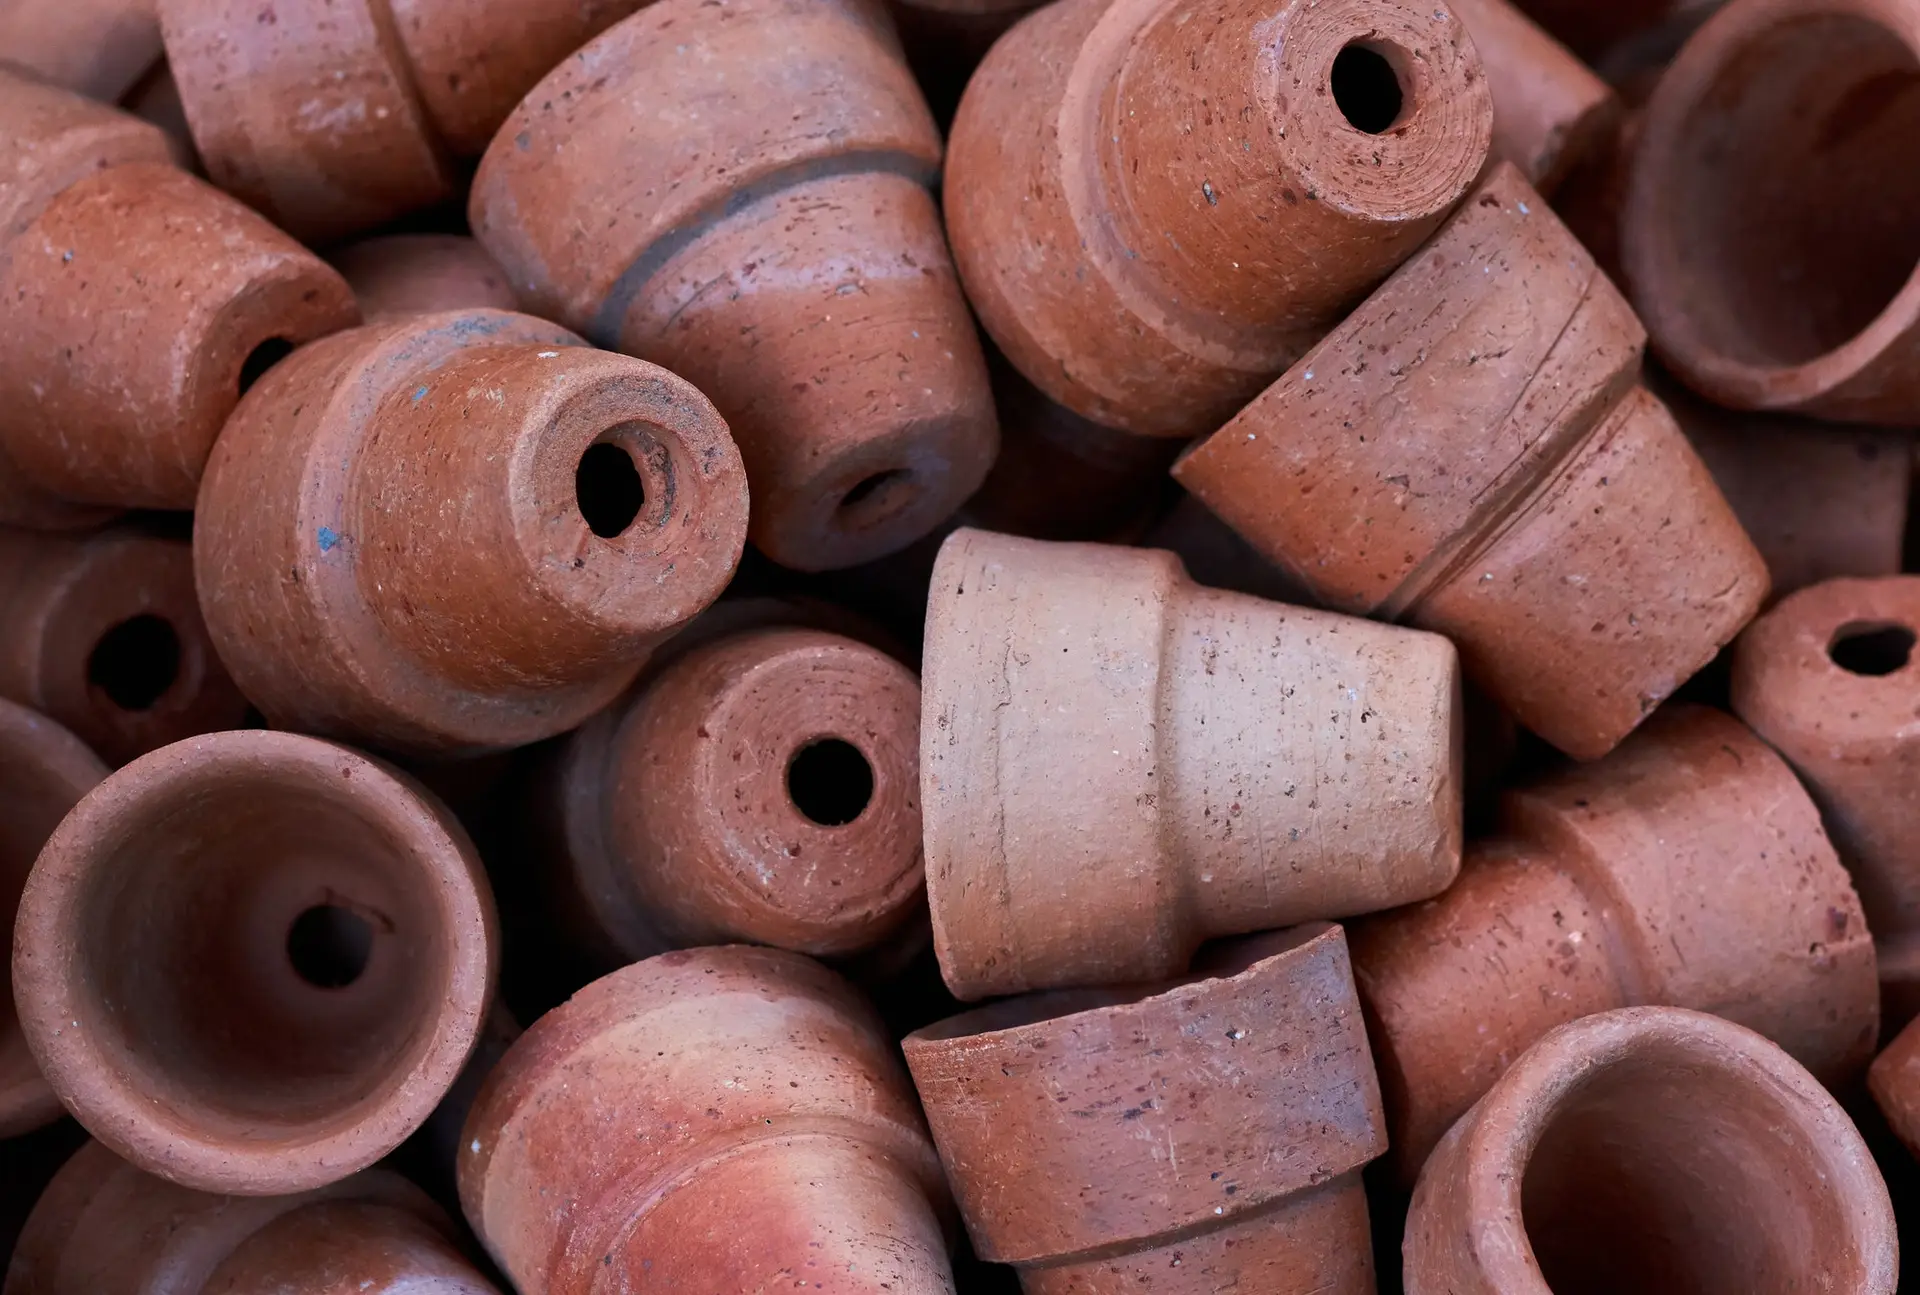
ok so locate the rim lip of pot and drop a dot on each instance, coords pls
(52, 993)
(1507, 1125)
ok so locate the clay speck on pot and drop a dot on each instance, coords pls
(1211, 1131)
(1772, 227)
(105, 1228)
(1652, 1150)
(421, 274)
(768, 234)
(1493, 471)
(490, 524)
(1117, 763)
(1550, 112)
(1687, 868)
(719, 1119)
(253, 962)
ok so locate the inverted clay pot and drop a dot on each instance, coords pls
(488, 523)
(1209, 1133)
(1652, 1150)
(105, 1228)
(1550, 112)
(1184, 237)
(337, 117)
(144, 303)
(764, 787)
(1117, 763)
(716, 1119)
(44, 771)
(760, 168)
(97, 48)
(103, 632)
(253, 962)
(1772, 227)
(419, 274)
(1493, 471)
(1827, 679)
(1687, 868)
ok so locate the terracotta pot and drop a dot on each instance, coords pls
(717, 1119)
(1652, 1150)
(1223, 223)
(1827, 679)
(770, 237)
(105, 1228)
(103, 633)
(1550, 112)
(1773, 219)
(1494, 473)
(420, 274)
(337, 117)
(764, 787)
(162, 297)
(489, 523)
(97, 48)
(44, 770)
(1117, 763)
(1118, 1097)
(278, 952)
(1687, 868)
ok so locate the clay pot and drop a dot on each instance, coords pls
(489, 525)
(1827, 679)
(1210, 1132)
(716, 1119)
(1223, 222)
(97, 48)
(1550, 112)
(334, 118)
(420, 274)
(253, 962)
(768, 235)
(105, 1228)
(1773, 219)
(44, 770)
(1492, 471)
(1687, 868)
(103, 633)
(162, 297)
(1117, 763)
(763, 787)
(1652, 1150)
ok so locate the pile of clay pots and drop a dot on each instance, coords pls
(1162, 646)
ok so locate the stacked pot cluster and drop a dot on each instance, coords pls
(946, 646)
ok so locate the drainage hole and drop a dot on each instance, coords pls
(262, 358)
(1366, 89)
(608, 489)
(1871, 649)
(830, 782)
(136, 661)
(329, 946)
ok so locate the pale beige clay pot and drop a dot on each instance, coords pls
(1658, 1151)
(1117, 764)
(1194, 1137)
(253, 962)
(1687, 868)
(1471, 452)
(716, 1119)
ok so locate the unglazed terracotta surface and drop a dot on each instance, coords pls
(98, 48)
(1550, 112)
(420, 274)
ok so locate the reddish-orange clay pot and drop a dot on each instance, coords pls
(1183, 235)
(44, 771)
(716, 1119)
(420, 274)
(334, 116)
(104, 1228)
(1686, 868)
(103, 633)
(1550, 112)
(1470, 452)
(1658, 1151)
(253, 962)
(1196, 1137)
(1828, 679)
(1772, 229)
(738, 191)
(142, 302)
(459, 532)
(97, 48)
(763, 787)
(1117, 764)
